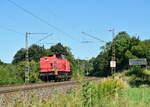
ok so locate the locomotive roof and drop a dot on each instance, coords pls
(55, 54)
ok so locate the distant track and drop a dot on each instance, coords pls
(24, 87)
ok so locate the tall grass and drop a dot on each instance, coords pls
(109, 93)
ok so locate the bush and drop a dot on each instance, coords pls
(15, 74)
(138, 76)
(135, 70)
(99, 94)
(9, 74)
(34, 71)
(89, 94)
(111, 87)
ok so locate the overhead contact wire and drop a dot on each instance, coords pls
(40, 19)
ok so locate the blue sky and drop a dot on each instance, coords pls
(71, 16)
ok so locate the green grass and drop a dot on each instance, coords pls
(139, 96)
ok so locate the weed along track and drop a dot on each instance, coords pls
(11, 94)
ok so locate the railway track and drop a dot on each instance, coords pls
(10, 95)
(24, 87)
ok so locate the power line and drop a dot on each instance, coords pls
(44, 38)
(47, 43)
(86, 41)
(11, 30)
(40, 19)
(93, 37)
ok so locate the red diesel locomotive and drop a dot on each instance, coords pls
(54, 67)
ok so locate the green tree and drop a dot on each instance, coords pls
(1, 63)
(60, 49)
(142, 50)
(101, 65)
(19, 56)
(35, 53)
(34, 72)
(124, 44)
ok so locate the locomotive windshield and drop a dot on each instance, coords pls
(60, 57)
